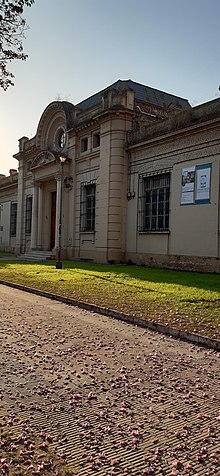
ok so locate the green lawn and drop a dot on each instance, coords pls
(5, 254)
(188, 301)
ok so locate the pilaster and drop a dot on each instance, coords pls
(58, 208)
(34, 226)
(20, 207)
(40, 216)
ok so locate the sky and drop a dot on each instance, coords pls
(78, 47)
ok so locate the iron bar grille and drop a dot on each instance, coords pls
(153, 203)
(13, 219)
(28, 215)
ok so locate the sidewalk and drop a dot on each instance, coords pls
(106, 398)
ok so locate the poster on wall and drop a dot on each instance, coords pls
(203, 181)
(188, 185)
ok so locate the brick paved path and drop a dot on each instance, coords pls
(115, 399)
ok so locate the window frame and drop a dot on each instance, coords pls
(60, 138)
(13, 218)
(28, 214)
(84, 144)
(154, 202)
(87, 206)
(96, 140)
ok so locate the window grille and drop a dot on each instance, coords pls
(28, 215)
(153, 211)
(87, 207)
(13, 219)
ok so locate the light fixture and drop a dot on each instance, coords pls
(62, 159)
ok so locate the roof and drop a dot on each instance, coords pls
(141, 93)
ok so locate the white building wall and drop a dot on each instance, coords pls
(194, 227)
(5, 225)
(193, 230)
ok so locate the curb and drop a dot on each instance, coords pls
(147, 324)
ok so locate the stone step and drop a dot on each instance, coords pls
(36, 255)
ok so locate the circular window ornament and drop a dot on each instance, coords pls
(60, 139)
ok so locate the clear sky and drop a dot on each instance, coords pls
(78, 47)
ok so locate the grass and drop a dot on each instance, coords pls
(5, 254)
(184, 300)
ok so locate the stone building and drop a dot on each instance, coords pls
(130, 174)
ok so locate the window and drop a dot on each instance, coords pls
(60, 138)
(87, 207)
(154, 203)
(13, 219)
(84, 144)
(28, 215)
(96, 140)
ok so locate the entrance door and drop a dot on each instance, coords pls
(53, 219)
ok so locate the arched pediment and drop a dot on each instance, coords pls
(43, 158)
(55, 120)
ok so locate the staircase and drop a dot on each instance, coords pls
(35, 255)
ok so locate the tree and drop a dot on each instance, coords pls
(12, 32)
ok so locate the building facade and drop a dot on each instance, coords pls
(130, 174)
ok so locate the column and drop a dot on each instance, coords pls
(20, 209)
(34, 218)
(40, 208)
(58, 209)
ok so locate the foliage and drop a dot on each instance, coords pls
(184, 300)
(12, 31)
